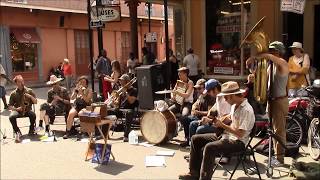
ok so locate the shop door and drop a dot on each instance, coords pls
(81, 52)
(316, 48)
(293, 30)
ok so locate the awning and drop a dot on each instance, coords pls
(25, 35)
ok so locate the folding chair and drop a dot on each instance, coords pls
(241, 157)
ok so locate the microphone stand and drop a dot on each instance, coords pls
(270, 134)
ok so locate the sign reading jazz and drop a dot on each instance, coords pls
(106, 14)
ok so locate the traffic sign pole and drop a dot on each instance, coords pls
(90, 44)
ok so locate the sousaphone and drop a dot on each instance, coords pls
(260, 40)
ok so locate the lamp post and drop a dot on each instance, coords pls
(165, 4)
(90, 44)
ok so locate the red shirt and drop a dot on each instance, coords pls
(67, 69)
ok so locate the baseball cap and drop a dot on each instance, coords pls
(210, 84)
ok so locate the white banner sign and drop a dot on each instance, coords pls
(223, 70)
(106, 14)
(295, 6)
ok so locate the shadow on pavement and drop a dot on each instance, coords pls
(113, 168)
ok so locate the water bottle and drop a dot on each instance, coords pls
(133, 137)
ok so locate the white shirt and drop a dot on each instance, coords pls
(3, 81)
(130, 65)
(242, 118)
(191, 61)
(221, 106)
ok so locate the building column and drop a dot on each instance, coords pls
(133, 5)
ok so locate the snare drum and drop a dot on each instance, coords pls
(158, 127)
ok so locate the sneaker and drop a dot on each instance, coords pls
(125, 139)
(184, 144)
(40, 128)
(66, 135)
(274, 162)
(18, 137)
(188, 176)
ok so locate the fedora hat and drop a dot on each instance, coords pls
(54, 79)
(229, 88)
(199, 83)
(297, 45)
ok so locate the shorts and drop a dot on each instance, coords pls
(2, 91)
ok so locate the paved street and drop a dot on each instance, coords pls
(64, 159)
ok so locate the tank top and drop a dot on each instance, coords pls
(279, 88)
(190, 98)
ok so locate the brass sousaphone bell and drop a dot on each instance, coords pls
(259, 39)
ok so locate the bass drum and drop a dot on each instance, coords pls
(158, 127)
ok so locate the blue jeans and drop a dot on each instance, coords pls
(194, 128)
(185, 122)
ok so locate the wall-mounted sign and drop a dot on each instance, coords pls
(295, 6)
(110, 2)
(96, 23)
(151, 37)
(106, 14)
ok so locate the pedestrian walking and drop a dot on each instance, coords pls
(191, 61)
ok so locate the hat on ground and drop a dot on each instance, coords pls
(277, 45)
(66, 60)
(199, 83)
(297, 45)
(210, 84)
(54, 79)
(229, 88)
(125, 77)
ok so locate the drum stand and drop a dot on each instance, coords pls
(270, 134)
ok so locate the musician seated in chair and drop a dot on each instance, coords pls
(58, 103)
(182, 94)
(205, 147)
(127, 101)
(199, 108)
(20, 104)
(82, 96)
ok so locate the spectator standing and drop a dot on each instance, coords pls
(131, 64)
(116, 73)
(299, 65)
(174, 68)
(104, 68)
(67, 71)
(191, 61)
(148, 57)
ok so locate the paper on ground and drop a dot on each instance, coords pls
(165, 153)
(155, 161)
(48, 139)
(84, 140)
(146, 144)
(25, 141)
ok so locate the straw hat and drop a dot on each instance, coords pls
(54, 79)
(297, 45)
(229, 88)
(66, 60)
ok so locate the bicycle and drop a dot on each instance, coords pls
(314, 139)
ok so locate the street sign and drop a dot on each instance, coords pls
(95, 23)
(151, 37)
(106, 14)
(295, 6)
(110, 2)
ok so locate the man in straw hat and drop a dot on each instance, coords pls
(58, 103)
(278, 106)
(205, 147)
(20, 105)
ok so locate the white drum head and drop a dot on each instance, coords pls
(154, 127)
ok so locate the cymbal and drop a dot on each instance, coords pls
(164, 91)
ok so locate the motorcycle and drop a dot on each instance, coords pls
(303, 122)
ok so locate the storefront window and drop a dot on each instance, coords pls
(223, 20)
(23, 48)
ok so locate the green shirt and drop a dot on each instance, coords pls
(17, 98)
